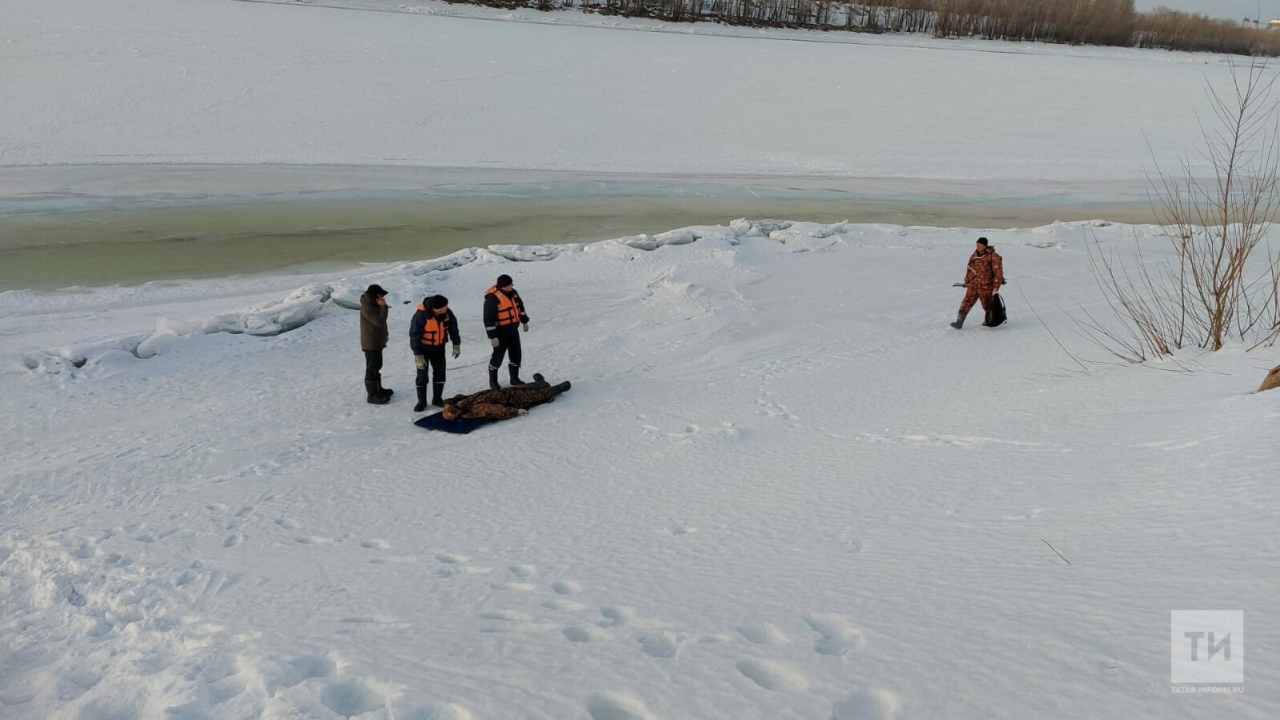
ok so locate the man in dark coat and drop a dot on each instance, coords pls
(982, 280)
(373, 340)
(503, 403)
(432, 325)
(504, 316)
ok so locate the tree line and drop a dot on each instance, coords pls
(1073, 22)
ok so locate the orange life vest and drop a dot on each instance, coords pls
(508, 311)
(435, 330)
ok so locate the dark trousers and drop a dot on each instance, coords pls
(431, 362)
(508, 345)
(373, 368)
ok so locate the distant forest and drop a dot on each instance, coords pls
(1073, 22)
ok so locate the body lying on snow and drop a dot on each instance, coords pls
(503, 403)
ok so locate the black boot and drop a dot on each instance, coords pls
(537, 377)
(493, 378)
(437, 394)
(959, 323)
(515, 375)
(562, 387)
(377, 382)
(375, 398)
(420, 385)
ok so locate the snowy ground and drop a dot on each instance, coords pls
(214, 81)
(781, 487)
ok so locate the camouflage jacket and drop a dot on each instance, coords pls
(986, 270)
(495, 404)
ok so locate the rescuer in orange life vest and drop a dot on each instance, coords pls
(503, 317)
(432, 324)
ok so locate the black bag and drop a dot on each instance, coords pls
(995, 312)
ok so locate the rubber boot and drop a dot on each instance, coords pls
(422, 398)
(562, 387)
(375, 398)
(537, 377)
(385, 391)
(959, 323)
(515, 375)
(437, 394)
(493, 379)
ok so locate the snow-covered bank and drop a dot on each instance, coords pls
(781, 487)
(215, 81)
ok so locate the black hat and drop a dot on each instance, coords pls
(983, 241)
(439, 301)
(376, 290)
(503, 281)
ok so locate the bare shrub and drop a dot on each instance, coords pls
(1223, 281)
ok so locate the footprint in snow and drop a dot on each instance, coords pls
(616, 706)
(617, 616)
(462, 570)
(773, 676)
(839, 636)
(287, 523)
(375, 544)
(85, 551)
(505, 616)
(222, 679)
(662, 644)
(763, 633)
(566, 587)
(302, 669)
(868, 704)
(352, 697)
(586, 633)
(516, 586)
(851, 543)
(458, 565)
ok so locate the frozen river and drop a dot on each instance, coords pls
(100, 225)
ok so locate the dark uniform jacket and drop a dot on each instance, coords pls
(373, 324)
(417, 327)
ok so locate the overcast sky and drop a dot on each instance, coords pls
(1233, 9)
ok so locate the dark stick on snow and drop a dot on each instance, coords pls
(1055, 550)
